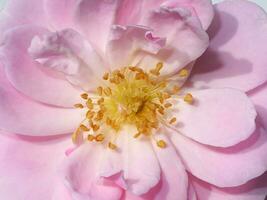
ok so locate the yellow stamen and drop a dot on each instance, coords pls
(189, 98)
(130, 96)
(78, 105)
(156, 71)
(167, 105)
(184, 73)
(107, 91)
(90, 137)
(112, 146)
(84, 95)
(84, 128)
(161, 144)
(75, 136)
(137, 135)
(99, 137)
(90, 104)
(173, 120)
(100, 91)
(100, 101)
(106, 76)
(166, 95)
(95, 127)
(90, 114)
(176, 89)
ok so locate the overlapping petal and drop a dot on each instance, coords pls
(135, 160)
(236, 56)
(259, 98)
(224, 167)
(218, 117)
(28, 76)
(255, 189)
(19, 114)
(186, 40)
(136, 12)
(203, 9)
(66, 51)
(127, 42)
(81, 173)
(174, 181)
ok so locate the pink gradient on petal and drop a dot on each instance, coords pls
(67, 52)
(28, 76)
(174, 181)
(28, 166)
(135, 161)
(224, 167)
(186, 40)
(255, 189)
(127, 42)
(236, 56)
(80, 171)
(259, 98)
(19, 114)
(218, 117)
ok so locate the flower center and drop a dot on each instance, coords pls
(129, 96)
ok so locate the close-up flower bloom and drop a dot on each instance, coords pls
(133, 100)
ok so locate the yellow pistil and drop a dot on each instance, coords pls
(129, 96)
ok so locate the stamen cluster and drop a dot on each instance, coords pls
(128, 96)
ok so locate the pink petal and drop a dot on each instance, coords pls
(134, 12)
(128, 196)
(28, 166)
(218, 117)
(126, 42)
(66, 51)
(253, 190)
(192, 195)
(28, 76)
(61, 13)
(23, 12)
(186, 39)
(135, 160)
(19, 114)
(203, 9)
(80, 171)
(224, 167)
(236, 57)
(174, 181)
(95, 18)
(259, 98)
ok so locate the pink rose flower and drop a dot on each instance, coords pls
(171, 98)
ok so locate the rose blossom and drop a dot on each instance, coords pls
(166, 109)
